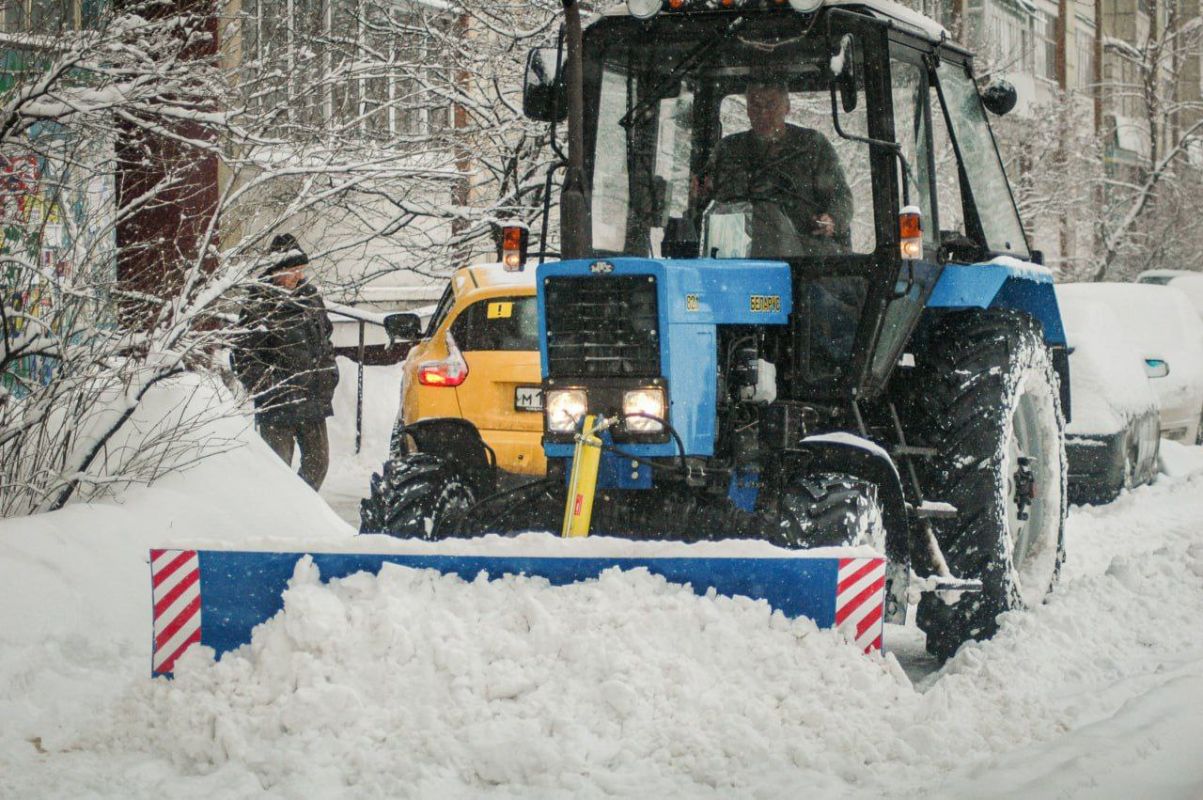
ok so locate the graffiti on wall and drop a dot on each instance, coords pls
(52, 220)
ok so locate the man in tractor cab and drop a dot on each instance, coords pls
(791, 169)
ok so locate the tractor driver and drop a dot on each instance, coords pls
(795, 169)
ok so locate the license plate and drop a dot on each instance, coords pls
(528, 398)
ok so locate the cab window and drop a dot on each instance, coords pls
(810, 111)
(498, 323)
(982, 167)
(948, 176)
(910, 126)
(674, 159)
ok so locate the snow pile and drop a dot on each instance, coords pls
(1178, 460)
(347, 481)
(416, 684)
(74, 610)
(413, 684)
(1119, 698)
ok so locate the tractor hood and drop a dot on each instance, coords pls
(633, 321)
(697, 291)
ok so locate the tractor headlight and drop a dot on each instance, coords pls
(643, 401)
(565, 408)
(643, 9)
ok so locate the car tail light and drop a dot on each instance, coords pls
(449, 371)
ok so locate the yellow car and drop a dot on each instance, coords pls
(478, 360)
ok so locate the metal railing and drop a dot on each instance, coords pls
(363, 318)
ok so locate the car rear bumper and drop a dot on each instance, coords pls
(519, 452)
(1183, 431)
(1180, 421)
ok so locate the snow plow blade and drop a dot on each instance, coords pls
(215, 598)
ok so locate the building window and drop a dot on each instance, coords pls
(1045, 51)
(1021, 40)
(1126, 84)
(1009, 31)
(1084, 53)
(49, 16)
(370, 67)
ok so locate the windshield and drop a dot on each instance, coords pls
(719, 140)
(983, 169)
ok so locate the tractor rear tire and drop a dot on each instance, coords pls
(985, 396)
(830, 510)
(415, 495)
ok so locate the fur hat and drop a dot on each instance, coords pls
(294, 256)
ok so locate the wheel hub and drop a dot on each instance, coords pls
(1025, 487)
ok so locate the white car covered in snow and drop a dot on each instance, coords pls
(1188, 282)
(1162, 325)
(1111, 442)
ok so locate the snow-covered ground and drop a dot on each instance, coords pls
(350, 472)
(418, 685)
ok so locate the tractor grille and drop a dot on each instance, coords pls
(604, 326)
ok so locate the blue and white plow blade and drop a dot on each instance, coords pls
(216, 597)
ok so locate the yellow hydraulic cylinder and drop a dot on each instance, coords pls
(582, 483)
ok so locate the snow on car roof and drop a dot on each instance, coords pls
(485, 276)
(1163, 273)
(1185, 281)
(1156, 317)
(885, 9)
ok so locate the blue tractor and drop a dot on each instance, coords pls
(794, 302)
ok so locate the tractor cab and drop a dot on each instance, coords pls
(849, 141)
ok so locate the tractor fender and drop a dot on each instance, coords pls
(1002, 283)
(454, 439)
(861, 458)
(1007, 282)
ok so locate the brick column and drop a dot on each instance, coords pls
(157, 241)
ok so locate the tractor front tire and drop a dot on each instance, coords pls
(830, 510)
(415, 496)
(985, 396)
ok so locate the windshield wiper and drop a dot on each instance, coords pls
(669, 84)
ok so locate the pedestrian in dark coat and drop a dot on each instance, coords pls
(285, 359)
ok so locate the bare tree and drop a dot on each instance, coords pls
(1148, 199)
(391, 134)
(1055, 162)
(434, 91)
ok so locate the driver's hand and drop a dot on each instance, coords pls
(824, 226)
